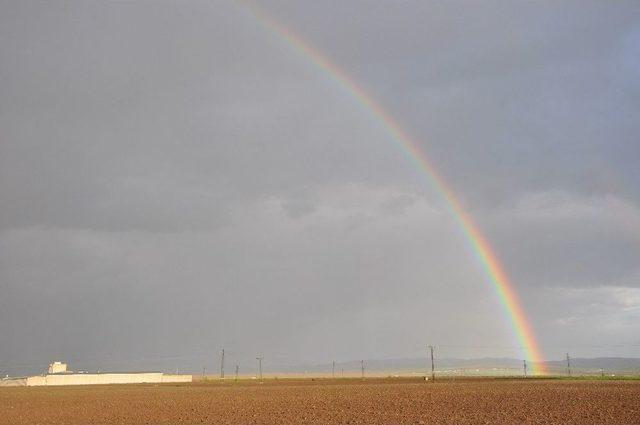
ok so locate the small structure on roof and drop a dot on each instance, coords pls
(57, 367)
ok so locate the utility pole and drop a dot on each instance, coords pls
(204, 372)
(333, 369)
(568, 365)
(259, 359)
(433, 366)
(343, 372)
(237, 369)
(601, 372)
(222, 365)
(524, 363)
(362, 368)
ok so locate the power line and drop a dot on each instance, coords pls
(520, 347)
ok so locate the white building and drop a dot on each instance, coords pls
(59, 375)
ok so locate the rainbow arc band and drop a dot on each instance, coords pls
(482, 250)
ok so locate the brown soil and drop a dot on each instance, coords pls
(381, 401)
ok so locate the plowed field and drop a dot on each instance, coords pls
(373, 401)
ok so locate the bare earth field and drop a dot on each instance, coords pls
(374, 401)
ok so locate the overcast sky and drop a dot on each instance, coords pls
(174, 179)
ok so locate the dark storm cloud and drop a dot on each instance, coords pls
(498, 89)
(174, 178)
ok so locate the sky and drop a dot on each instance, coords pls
(175, 179)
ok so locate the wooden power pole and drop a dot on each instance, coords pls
(433, 366)
(222, 365)
(259, 359)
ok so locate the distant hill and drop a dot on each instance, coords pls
(486, 365)
(607, 363)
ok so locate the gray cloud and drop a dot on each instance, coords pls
(174, 178)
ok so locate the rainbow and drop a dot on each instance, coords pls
(482, 250)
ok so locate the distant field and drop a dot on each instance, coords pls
(326, 401)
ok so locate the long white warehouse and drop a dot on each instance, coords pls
(59, 375)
